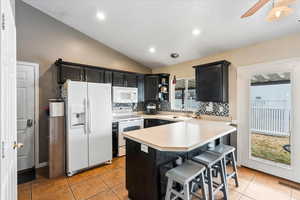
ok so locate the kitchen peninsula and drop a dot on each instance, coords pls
(151, 152)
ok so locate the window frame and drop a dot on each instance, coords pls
(184, 109)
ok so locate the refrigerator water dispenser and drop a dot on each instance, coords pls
(77, 116)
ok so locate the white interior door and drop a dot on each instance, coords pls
(8, 133)
(99, 123)
(25, 114)
(268, 118)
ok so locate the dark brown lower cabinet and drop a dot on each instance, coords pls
(145, 172)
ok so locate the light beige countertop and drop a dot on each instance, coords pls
(166, 117)
(181, 136)
(181, 116)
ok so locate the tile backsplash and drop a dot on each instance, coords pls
(204, 108)
(213, 108)
(135, 107)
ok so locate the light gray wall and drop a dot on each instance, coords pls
(42, 39)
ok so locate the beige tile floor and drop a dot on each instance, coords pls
(108, 183)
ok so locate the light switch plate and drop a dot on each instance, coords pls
(144, 148)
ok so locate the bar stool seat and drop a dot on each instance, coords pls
(189, 173)
(228, 154)
(223, 149)
(211, 161)
(207, 158)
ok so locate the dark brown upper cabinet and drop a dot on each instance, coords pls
(130, 80)
(108, 76)
(141, 88)
(123, 79)
(118, 79)
(157, 87)
(73, 73)
(94, 75)
(212, 82)
(151, 87)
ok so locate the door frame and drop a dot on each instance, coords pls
(36, 110)
(290, 65)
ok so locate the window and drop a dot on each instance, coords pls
(185, 95)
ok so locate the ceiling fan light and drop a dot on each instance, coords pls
(278, 12)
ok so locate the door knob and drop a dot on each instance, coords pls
(29, 122)
(17, 145)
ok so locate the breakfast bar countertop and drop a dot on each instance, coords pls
(181, 136)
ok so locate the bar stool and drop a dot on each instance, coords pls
(227, 152)
(189, 173)
(211, 160)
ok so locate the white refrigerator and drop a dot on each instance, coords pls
(88, 125)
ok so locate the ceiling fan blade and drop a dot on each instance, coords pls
(255, 8)
(279, 3)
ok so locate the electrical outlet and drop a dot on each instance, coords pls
(144, 148)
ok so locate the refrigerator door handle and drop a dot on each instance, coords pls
(89, 118)
(85, 116)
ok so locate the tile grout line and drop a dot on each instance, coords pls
(111, 189)
(30, 191)
(71, 189)
(108, 187)
(93, 176)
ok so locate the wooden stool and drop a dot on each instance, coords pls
(189, 173)
(227, 152)
(211, 160)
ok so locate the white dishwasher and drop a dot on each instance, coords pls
(125, 126)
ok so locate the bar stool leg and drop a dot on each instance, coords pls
(223, 179)
(203, 189)
(224, 169)
(235, 169)
(210, 183)
(186, 191)
(169, 189)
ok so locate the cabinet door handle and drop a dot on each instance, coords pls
(89, 116)
(85, 116)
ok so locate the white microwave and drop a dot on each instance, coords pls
(125, 95)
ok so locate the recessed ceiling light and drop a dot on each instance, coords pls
(196, 31)
(174, 55)
(152, 50)
(101, 16)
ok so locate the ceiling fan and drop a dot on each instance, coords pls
(280, 9)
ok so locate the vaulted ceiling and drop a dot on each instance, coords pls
(132, 27)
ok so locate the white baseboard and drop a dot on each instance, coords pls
(44, 164)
